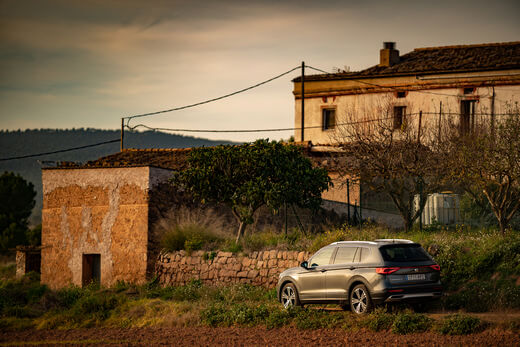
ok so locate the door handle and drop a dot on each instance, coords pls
(351, 268)
(323, 270)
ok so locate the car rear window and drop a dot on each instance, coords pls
(404, 253)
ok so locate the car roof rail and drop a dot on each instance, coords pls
(353, 242)
(394, 241)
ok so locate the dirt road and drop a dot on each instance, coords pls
(243, 336)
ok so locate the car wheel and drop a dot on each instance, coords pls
(289, 297)
(360, 302)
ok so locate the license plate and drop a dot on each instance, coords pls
(416, 277)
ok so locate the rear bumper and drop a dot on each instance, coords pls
(414, 297)
(408, 294)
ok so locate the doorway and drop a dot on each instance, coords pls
(91, 269)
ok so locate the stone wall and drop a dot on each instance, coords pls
(258, 268)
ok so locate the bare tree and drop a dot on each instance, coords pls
(390, 155)
(487, 161)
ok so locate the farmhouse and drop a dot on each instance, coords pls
(427, 90)
(97, 217)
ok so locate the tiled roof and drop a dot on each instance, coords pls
(170, 158)
(447, 59)
(167, 158)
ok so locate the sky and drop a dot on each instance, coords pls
(73, 64)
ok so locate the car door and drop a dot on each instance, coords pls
(312, 280)
(339, 272)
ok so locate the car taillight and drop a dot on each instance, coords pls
(386, 270)
(436, 267)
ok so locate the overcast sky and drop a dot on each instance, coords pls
(88, 63)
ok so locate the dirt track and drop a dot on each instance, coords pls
(240, 336)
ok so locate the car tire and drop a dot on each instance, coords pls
(289, 296)
(360, 301)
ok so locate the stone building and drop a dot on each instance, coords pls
(96, 217)
(425, 90)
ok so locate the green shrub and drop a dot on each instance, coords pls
(407, 323)
(459, 324)
(278, 318)
(68, 296)
(190, 237)
(21, 292)
(315, 319)
(378, 320)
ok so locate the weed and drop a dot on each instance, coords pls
(459, 324)
(378, 320)
(407, 323)
(278, 318)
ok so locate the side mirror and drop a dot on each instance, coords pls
(304, 264)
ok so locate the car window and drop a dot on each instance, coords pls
(345, 255)
(322, 257)
(403, 253)
(362, 254)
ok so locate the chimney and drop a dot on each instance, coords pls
(388, 56)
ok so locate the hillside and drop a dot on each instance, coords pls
(19, 143)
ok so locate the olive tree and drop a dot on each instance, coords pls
(248, 176)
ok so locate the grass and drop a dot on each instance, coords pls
(480, 272)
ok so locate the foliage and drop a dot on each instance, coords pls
(379, 319)
(16, 203)
(408, 323)
(459, 324)
(248, 176)
(189, 237)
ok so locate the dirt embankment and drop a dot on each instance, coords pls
(243, 336)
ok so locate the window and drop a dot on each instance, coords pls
(400, 95)
(329, 118)
(399, 114)
(469, 90)
(345, 255)
(362, 254)
(321, 258)
(467, 116)
(404, 253)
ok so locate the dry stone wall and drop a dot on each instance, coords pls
(219, 268)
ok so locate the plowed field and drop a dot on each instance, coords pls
(243, 336)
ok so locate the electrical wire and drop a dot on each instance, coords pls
(132, 128)
(59, 151)
(256, 130)
(211, 100)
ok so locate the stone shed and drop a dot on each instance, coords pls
(96, 217)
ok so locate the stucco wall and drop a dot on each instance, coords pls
(353, 103)
(101, 211)
(258, 268)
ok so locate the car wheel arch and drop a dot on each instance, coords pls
(284, 283)
(354, 282)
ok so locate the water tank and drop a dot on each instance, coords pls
(440, 207)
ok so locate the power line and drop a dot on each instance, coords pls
(214, 99)
(59, 151)
(131, 128)
(257, 130)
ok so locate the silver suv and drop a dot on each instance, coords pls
(361, 274)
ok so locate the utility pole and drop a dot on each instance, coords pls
(419, 130)
(122, 133)
(493, 114)
(348, 201)
(440, 120)
(303, 100)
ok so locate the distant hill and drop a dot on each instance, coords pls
(19, 143)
